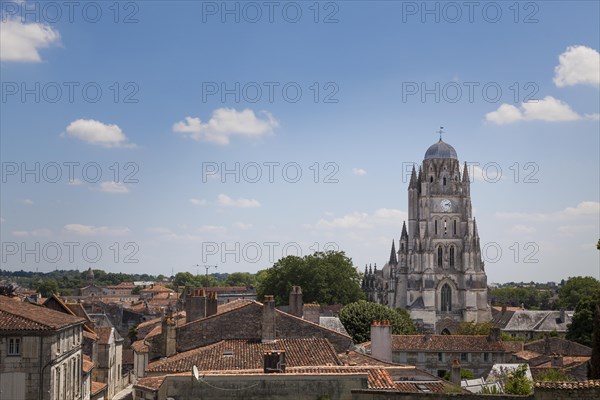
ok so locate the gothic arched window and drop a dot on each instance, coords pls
(446, 298)
(431, 179)
(452, 256)
(439, 258)
(444, 180)
(435, 227)
(454, 227)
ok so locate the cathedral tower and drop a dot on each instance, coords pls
(437, 272)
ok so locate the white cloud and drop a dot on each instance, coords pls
(548, 109)
(27, 202)
(88, 230)
(227, 122)
(20, 42)
(242, 226)
(42, 232)
(572, 230)
(359, 171)
(198, 202)
(212, 229)
(113, 187)
(362, 220)
(578, 65)
(583, 209)
(227, 201)
(75, 182)
(523, 229)
(97, 133)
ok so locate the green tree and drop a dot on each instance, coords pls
(582, 325)
(553, 375)
(46, 287)
(474, 328)
(240, 279)
(518, 383)
(136, 290)
(575, 289)
(325, 277)
(357, 319)
(464, 374)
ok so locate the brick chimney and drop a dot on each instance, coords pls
(296, 304)
(195, 304)
(381, 340)
(268, 326)
(455, 372)
(168, 333)
(312, 313)
(211, 303)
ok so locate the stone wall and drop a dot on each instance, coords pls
(261, 387)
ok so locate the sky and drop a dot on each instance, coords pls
(161, 137)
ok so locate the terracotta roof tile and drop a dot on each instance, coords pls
(233, 305)
(18, 315)
(424, 386)
(87, 364)
(97, 387)
(591, 384)
(104, 334)
(140, 346)
(152, 383)
(248, 354)
(468, 343)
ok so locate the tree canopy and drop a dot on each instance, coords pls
(357, 319)
(576, 289)
(325, 278)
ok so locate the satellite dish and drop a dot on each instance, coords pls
(195, 373)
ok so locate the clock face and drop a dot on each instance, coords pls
(446, 205)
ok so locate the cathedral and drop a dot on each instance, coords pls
(437, 273)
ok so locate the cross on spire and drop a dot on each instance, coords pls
(440, 131)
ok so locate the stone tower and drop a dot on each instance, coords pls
(89, 277)
(437, 273)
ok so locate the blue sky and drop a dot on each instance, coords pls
(162, 98)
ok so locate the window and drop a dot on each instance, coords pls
(431, 179)
(421, 357)
(440, 253)
(464, 357)
(452, 256)
(435, 227)
(14, 347)
(441, 357)
(444, 181)
(446, 298)
(487, 357)
(445, 227)
(454, 227)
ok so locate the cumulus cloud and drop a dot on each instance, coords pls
(225, 123)
(113, 187)
(198, 202)
(362, 220)
(242, 226)
(21, 42)
(97, 133)
(547, 109)
(578, 65)
(583, 209)
(90, 230)
(227, 201)
(359, 171)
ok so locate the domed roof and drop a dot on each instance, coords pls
(440, 149)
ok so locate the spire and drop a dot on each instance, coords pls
(413, 178)
(370, 269)
(366, 270)
(404, 232)
(475, 233)
(393, 257)
(420, 174)
(465, 174)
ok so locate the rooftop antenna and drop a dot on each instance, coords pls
(441, 131)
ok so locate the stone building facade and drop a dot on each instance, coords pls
(437, 273)
(40, 353)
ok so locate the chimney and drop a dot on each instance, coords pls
(455, 372)
(268, 320)
(195, 304)
(557, 361)
(274, 361)
(168, 333)
(211, 303)
(296, 305)
(381, 340)
(312, 313)
(494, 335)
(504, 308)
(562, 316)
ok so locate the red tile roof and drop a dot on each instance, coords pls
(466, 343)
(591, 384)
(426, 387)
(104, 334)
(17, 315)
(87, 364)
(156, 289)
(140, 346)
(248, 354)
(97, 387)
(152, 383)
